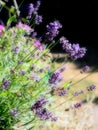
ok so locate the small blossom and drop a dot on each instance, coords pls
(43, 114)
(62, 92)
(74, 50)
(41, 70)
(33, 66)
(1, 28)
(27, 10)
(55, 77)
(62, 69)
(33, 34)
(52, 30)
(38, 19)
(36, 78)
(5, 84)
(40, 103)
(91, 88)
(20, 62)
(22, 72)
(14, 112)
(37, 43)
(30, 10)
(17, 49)
(77, 93)
(25, 27)
(85, 69)
(39, 46)
(78, 104)
(38, 3)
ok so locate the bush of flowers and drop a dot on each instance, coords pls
(27, 78)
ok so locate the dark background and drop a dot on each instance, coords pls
(78, 17)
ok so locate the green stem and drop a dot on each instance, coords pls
(17, 8)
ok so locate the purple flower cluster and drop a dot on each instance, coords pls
(55, 77)
(42, 112)
(27, 10)
(91, 88)
(62, 92)
(5, 84)
(14, 112)
(85, 69)
(52, 30)
(30, 9)
(1, 28)
(22, 72)
(62, 69)
(77, 93)
(38, 19)
(38, 3)
(16, 49)
(38, 45)
(78, 104)
(74, 50)
(39, 103)
(25, 27)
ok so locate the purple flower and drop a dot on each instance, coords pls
(38, 19)
(62, 69)
(22, 72)
(74, 50)
(36, 78)
(38, 3)
(64, 41)
(25, 27)
(52, 30)
(30, 10)
(41, 70)
(1, 28)
(77, 52)
(17, 49)
(5, 84)
(44, 114)
(78, 93)
(66, 45)
(38, 45)
(55, 77)
(85, 69)
(91, 88)
(14, 112)
(20, 62)
(62, 92)
(33, 34)
(33, 66)
(39, 103)
(78, 104)
(27, 10)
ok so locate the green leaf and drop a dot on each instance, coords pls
(10, 20)
(4, 94)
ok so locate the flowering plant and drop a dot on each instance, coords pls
(27, 79)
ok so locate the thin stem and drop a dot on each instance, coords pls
(17, 8)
